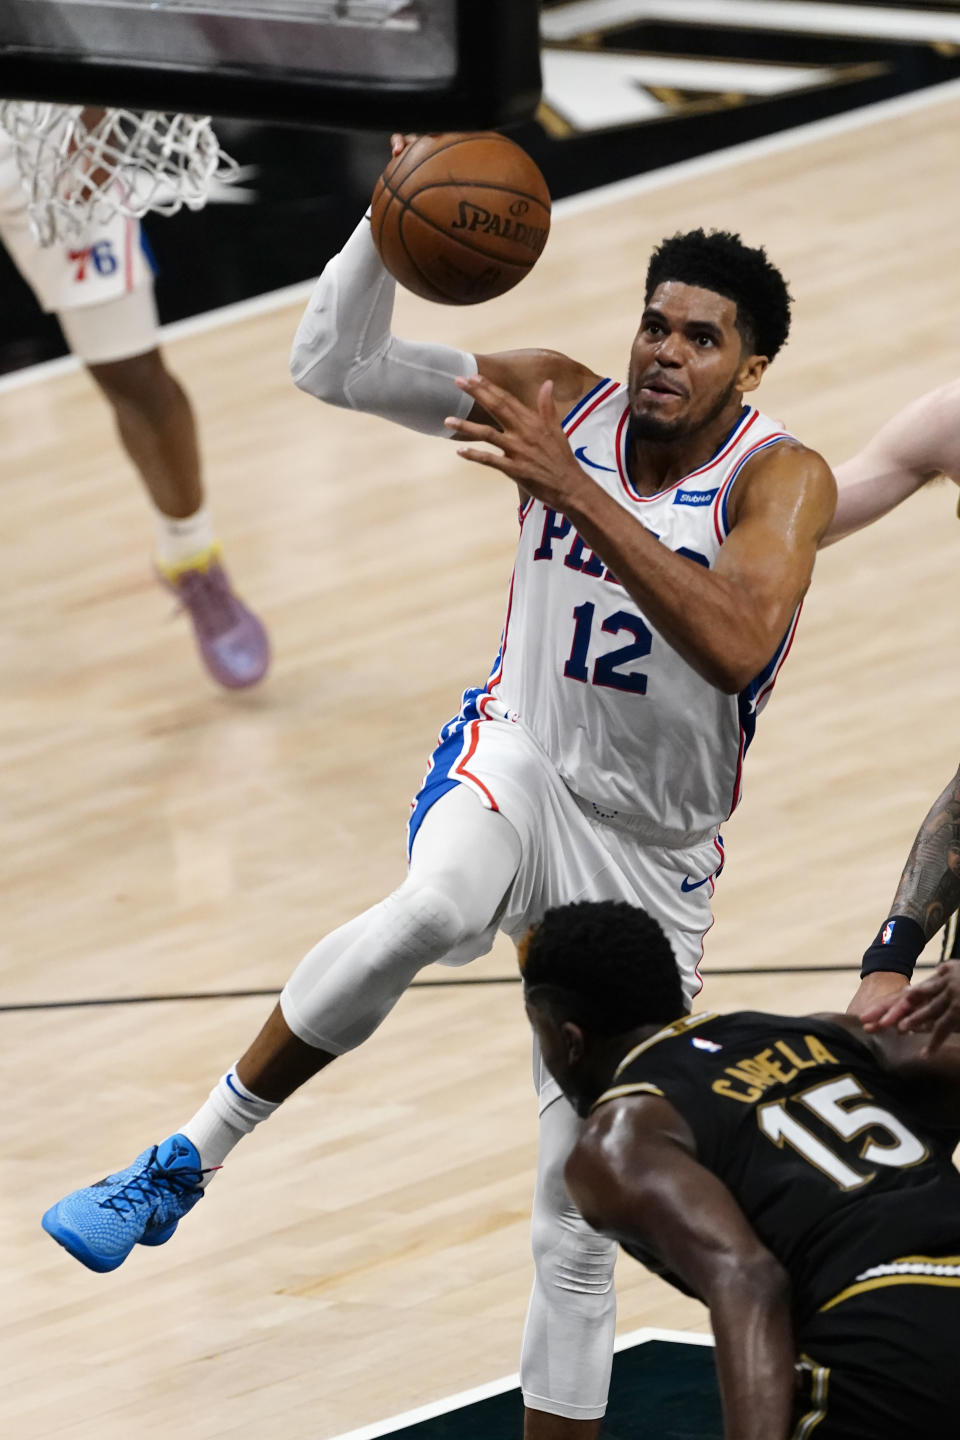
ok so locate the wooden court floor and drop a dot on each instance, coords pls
(366, 1252)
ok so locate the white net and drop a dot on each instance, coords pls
(82, 165)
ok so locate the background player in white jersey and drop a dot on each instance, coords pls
(561, 778)
(100, 287)
(919, 444)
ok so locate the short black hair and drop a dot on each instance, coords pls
(720, 261)
(607, 964)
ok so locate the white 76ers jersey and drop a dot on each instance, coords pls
(630, 726)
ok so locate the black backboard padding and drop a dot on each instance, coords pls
(494, 79)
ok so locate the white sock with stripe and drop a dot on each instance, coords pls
(231, 1112)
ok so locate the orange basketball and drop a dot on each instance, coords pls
(460, 218)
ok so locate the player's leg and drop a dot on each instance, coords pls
(101, 290)
(568, 1338)
(117, 340)
(158, 430)
(567, 1350)
(463, 863)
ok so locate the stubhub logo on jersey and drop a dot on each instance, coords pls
(695, 497)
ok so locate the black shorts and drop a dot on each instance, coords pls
(883, 1365)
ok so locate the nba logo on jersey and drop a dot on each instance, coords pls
(701, 1044)
(887, 935)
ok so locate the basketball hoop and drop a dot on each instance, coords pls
(84, 166)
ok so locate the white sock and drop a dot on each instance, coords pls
(231, 1112)
(181, 540)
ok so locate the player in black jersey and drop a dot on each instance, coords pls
(795, 1174)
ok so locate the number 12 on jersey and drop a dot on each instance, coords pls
(608, 668)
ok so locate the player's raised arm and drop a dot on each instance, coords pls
(345, 353)
(921, 442)
(928, 894)
(633, 1177)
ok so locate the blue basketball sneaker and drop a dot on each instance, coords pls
(143, 1204)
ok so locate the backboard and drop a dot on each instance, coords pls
(351, 64)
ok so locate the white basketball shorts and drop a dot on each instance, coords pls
(568, 853)
(100, 286)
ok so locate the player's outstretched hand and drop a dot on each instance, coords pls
(876, 991)
(932, 1007)
(399, 142)
(535, 451)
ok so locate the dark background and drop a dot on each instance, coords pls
(311, 186)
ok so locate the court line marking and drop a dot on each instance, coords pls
(782, 141)
(177, 998)
(507, 1382)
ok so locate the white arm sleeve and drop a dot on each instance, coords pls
(345, 353)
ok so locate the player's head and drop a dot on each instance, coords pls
(716, 313)
(594, 974)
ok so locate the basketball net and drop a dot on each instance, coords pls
(122, 162)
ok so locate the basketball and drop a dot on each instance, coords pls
(460, 218)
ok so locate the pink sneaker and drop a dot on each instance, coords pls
(232, 642)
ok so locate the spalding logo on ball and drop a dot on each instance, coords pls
(460, 218)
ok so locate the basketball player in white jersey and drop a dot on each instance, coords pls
(667, 536)
(919, 444)
(100, 287)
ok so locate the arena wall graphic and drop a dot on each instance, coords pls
(629, 86)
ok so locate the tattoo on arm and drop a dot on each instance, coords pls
(929, 889)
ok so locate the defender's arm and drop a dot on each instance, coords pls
(919, 443)
(928, 894)
(634, 1177)
(930, 1008)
